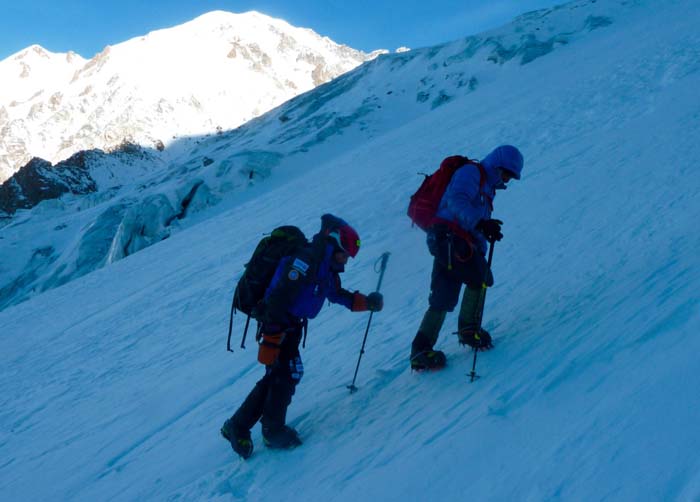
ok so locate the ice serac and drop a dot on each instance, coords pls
(210, 74)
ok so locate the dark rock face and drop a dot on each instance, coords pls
(38, 180)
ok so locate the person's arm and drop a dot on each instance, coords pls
(463, 197)
(337, 294)
(356, 301)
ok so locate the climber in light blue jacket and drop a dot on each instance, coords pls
(458, 242)
(466, 202)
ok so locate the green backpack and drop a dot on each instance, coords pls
(250, 290)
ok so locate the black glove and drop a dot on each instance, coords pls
(491, 229)
(375, 302)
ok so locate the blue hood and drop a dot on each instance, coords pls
(506, 156)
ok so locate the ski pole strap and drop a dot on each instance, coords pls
(449, 252)
(245, 332)
(230, 324)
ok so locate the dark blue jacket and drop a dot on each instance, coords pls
(302, 283)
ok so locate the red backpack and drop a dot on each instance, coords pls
(425, 202)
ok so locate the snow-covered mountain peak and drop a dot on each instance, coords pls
(30, 70)
(37, 56)
(207, 75)
(32, 50)
(221, 18)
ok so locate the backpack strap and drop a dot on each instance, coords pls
(305, 327)
(230, 324)
(245, 332)
(482, 173)
(258, 332)
(482, 182)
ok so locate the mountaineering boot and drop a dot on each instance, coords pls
(468, 330)
(428, 360)
(476, 338)
(239, 438)
(284, 438)
(423, 356)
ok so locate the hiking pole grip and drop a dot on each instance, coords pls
(482, 302)
(383, 259)
(382, 268)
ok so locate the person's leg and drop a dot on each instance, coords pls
(278, 398)
(237, 428)
(285, 374)
(251, 410)
(428, 331)
(474, 273)
(470, 309)
(444, 295)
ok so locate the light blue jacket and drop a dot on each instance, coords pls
(465, 203)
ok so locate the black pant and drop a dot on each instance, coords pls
(271, 396)
(455, 263)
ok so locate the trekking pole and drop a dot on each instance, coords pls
(382, 267)
(473, 376)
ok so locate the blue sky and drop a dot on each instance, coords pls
(86, 26)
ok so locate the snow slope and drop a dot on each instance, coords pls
(114, 385)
